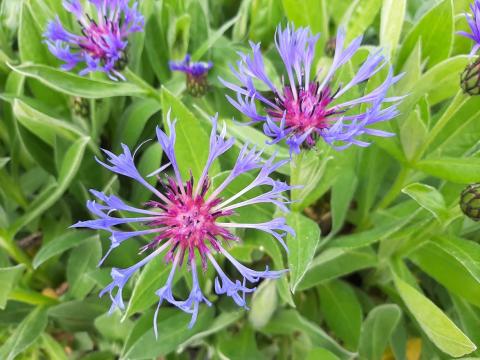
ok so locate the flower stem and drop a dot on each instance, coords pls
(395, 189)
(14, 251)
(458, 101)
(137, 80)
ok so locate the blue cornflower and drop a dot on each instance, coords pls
(474, 23)
(307, 108)
(188, 221)
(102, 45)
(197, 83)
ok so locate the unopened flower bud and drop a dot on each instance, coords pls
(470, 201)
(470, 78)
(197, 75)
(81, 107)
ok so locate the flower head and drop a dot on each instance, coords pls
(309, 107)
(470, 201)
(474, 24)
(470, 78)
(197, 84)
(190, 221)
(102, 44)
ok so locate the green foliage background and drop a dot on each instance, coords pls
(395, 272)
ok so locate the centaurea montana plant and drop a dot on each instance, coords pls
(102, 44)
(305, 107)
(185, 220)
(196, 73)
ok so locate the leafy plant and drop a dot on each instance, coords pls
(384, 262)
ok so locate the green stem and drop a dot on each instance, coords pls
(202, 102)
(150, 90)
(395, 190)
(15, 252)
(458, 101)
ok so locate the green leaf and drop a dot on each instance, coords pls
(457, 170)
(458, 130)
(242, 346)
(436, 325)
(392, 17)
(3, 161)
(379, 233)
(52, 348)
(343, 191)
(173, 331)
(442, 76)
(319, 353)
(359, 17)
(413, 133)
(61, 244)
(70, 165)
(469, 318)
(9, 277)
(335, 262)
(412, 70)
(452, 262)
(435, 30)
(314, 166)
(149, 162)
(78, 315)
(192, 141)
(199, 27)
(264, 304)
(134, 120)
(287, 322)
(372, 171)
(84, 259)
(212, 39)
(178, 35)
(31, 46)
(250, 135)
(301, 248)
(376, 331)
(254, 213)
(151, 279)
(45, 126)
(112, 327)
(429, 198)
(341, 311)
(76, 85)
(25, 334)
(221, 322)
(310, 13)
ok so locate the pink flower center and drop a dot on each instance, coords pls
(102, 41)
(306, 112)
(189, 221)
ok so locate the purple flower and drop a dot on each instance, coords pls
(474, 23)
(102, 45)
(197, 84)
(189, 221)
(306, 108)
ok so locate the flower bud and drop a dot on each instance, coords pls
(81, 107)
(470, 78)
(196, 72)
(197, 86)
(470, 201)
